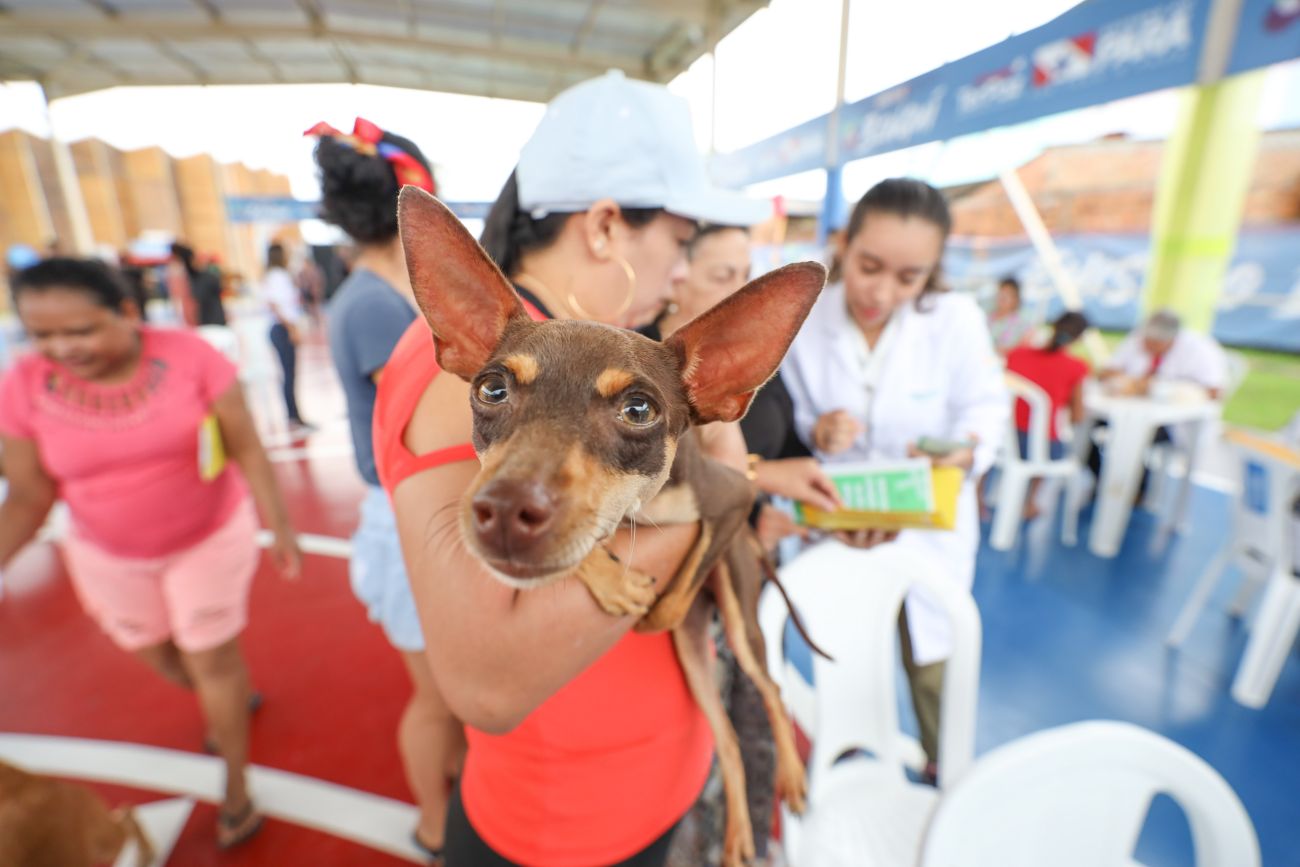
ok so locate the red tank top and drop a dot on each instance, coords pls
(603, 767)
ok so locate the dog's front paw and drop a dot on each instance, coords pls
(618, 589)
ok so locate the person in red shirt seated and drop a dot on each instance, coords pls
(1061, 376)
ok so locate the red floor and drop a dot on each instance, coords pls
(334, 688)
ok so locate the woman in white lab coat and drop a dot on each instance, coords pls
(886, 358)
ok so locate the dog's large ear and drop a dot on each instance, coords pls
(728, 352)
(464, 297)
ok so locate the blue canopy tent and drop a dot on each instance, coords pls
(1097, 52)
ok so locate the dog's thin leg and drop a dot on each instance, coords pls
(791, 778)
(672, 607)
(691, 640)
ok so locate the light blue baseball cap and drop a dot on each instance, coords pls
(630, 141)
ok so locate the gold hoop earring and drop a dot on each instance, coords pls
(627, 302)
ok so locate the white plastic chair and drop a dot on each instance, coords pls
(1017, 471)
(1162, 457)
(1261, 544)
(1257, 539)
(1078, 796)
(864, 810)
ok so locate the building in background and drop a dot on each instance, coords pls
(131, 195)
(1109, 186)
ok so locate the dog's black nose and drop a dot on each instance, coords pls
(511, 515)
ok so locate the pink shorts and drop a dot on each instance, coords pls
(197, 597)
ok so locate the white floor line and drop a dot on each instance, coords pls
(162, 822)
(380, 823)
(311, 543)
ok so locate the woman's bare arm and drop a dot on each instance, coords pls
(244, 447)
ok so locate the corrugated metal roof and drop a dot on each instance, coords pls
(513, 49)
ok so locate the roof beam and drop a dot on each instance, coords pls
(200, 74)
(588, 24)
(250, 48)
(81, 55)
(175, 31)
(213, 13)
(408, 11)
(534, 90)
(104, 7)
(315, 18)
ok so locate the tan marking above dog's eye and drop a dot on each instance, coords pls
(612, 381)
(523, 367)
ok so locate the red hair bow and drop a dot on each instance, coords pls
(368, 139)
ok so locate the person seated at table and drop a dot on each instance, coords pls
(1163, 350)
(1060, 375)
(1009, 324)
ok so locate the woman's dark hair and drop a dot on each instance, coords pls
(704, 231)
(186, 256)
(1010, 283)
(1067, 328)
(508, 232)
(906, 197)
(359, 191)
(276, 257)
(89, 276)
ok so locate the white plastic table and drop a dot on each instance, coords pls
(1133, 424)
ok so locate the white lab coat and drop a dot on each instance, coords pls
(1192, 358)
(940, 378)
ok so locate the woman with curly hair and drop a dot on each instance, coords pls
(360, 176)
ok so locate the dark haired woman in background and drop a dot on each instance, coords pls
(285, 305)
(107, 415)
(360, 176)
(204, 286)
(1009, 324)
(1061, 375)
(886, 358)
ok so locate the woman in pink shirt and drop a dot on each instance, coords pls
(109, 415)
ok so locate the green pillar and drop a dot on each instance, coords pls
(1206, 172)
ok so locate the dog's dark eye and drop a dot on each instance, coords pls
(492, 389)
(638, 411)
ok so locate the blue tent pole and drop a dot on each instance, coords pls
(833, 204)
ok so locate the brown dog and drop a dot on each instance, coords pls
(582, 427)
(46, 822)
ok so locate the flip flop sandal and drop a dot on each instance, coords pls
(434, 855)
(240, 828)
(255, 702)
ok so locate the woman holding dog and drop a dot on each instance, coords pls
(585, 745)
(131, 427)
(886, 358)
